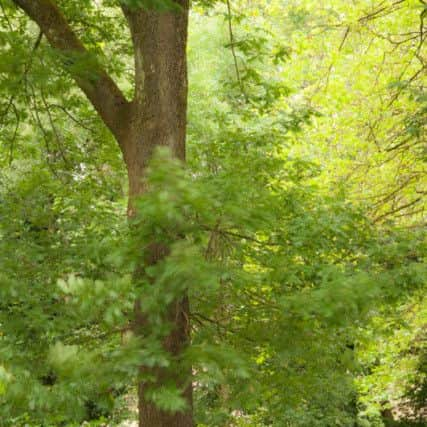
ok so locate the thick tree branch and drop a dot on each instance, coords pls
(97, 85)
(134, 18)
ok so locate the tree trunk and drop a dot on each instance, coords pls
(155, 117)
(158, 118)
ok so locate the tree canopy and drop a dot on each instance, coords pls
(239, 245)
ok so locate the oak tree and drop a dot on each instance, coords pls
(155, 116)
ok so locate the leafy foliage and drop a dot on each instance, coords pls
(307, 304)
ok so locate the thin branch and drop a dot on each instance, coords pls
(5, 112)
(71, 116)
(11, 104)
(386, 198)
(397, 209)
(55, 131)
(220, 327)
(37, 118)
(344, 38)
(27, 67)
(381, 11)
(15, 134)
(233, 50)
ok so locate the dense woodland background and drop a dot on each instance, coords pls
(296, 226)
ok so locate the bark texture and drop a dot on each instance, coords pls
(158, 115)
(155, 117)
(161, 101)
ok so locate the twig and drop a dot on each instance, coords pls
(233, 51)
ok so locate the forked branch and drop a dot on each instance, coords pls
(97, 85)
